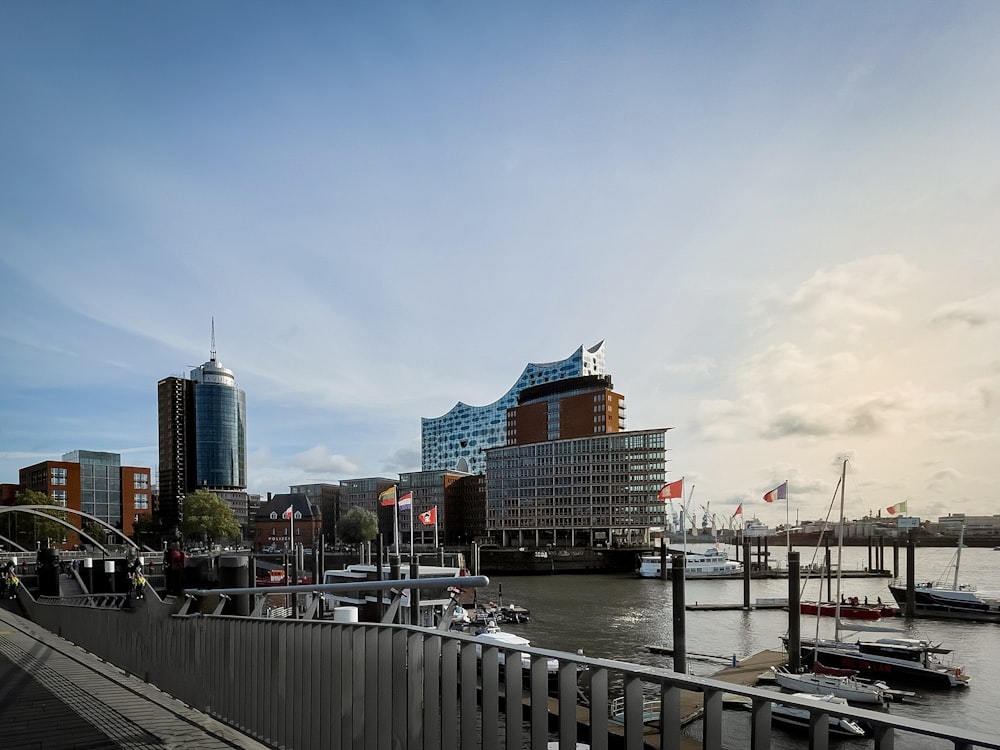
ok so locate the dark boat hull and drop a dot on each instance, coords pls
(926, 600)
(891, 670)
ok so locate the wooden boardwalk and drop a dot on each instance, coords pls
(744, 673)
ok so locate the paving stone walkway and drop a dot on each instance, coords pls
(55, 696)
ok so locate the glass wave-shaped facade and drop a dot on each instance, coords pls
(458, 440)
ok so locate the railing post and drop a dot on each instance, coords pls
(680, 636)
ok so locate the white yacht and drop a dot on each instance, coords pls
(710, 563)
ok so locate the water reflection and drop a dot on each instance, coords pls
(620, 616)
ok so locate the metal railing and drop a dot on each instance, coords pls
(307, 684)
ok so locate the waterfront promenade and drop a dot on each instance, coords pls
(56, 696)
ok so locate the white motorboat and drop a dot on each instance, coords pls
(711, 563)
(492, 635)
(783, 713)
(848, 687)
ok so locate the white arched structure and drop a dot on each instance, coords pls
(38, 510)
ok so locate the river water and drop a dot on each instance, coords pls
(619, 616)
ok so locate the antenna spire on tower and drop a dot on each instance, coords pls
(213, 338)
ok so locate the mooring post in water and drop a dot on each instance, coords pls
(829, 575)
(871, 543)
(746, 574)
(414, 592)
(794, 630)
(680, 636)
(911, 577)
(895, 558)
(663, 562)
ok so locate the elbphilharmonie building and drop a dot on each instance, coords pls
(458, 440)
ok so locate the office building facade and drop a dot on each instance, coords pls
(94, 482)
(202, 432)
(587, 491)
(458, 440)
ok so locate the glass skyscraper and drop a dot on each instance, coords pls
(220, 412)
(203, 442)
(458, 440)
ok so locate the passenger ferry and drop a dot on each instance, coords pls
(710, 563)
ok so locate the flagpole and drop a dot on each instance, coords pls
(412, 558)
(435, 529)
(395, 523)
(788, 528)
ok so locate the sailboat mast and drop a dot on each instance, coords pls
(958, 555)
(840, 546)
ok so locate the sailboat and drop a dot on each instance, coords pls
(938, 598)
(894, 659)
(846, 686)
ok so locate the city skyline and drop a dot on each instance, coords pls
(780, 219)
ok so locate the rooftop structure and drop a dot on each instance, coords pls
(459, 440)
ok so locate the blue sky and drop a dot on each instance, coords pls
(782, 217)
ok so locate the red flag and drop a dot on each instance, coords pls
(429, 517)
(287, 513)
(739, 510)
(778, 493)
(671, 490)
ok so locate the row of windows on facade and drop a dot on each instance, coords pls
(58, 475)
(597, 459)
(574, 469)
(636, 522)
(140, 499)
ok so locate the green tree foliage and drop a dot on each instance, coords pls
(28, 529)
(357, 526)
(96, 531)
(146, 531)
(206, 514)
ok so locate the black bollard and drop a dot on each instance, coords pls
(48, 572)
(88, 574)
(746, 574)
(663, 562)
(234, 573)
(910, 608)
(414, 594)
(794, 622)
(680, 636)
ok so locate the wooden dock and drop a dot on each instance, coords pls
(716, 606)
(743, 673)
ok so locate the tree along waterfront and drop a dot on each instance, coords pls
(620, 616)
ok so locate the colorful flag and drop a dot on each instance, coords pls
(671, 490)
(739, 510)
(778, 493)
(430, 517)
(388, 497)
(406, 501)
(287, 513)
(897, 508)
